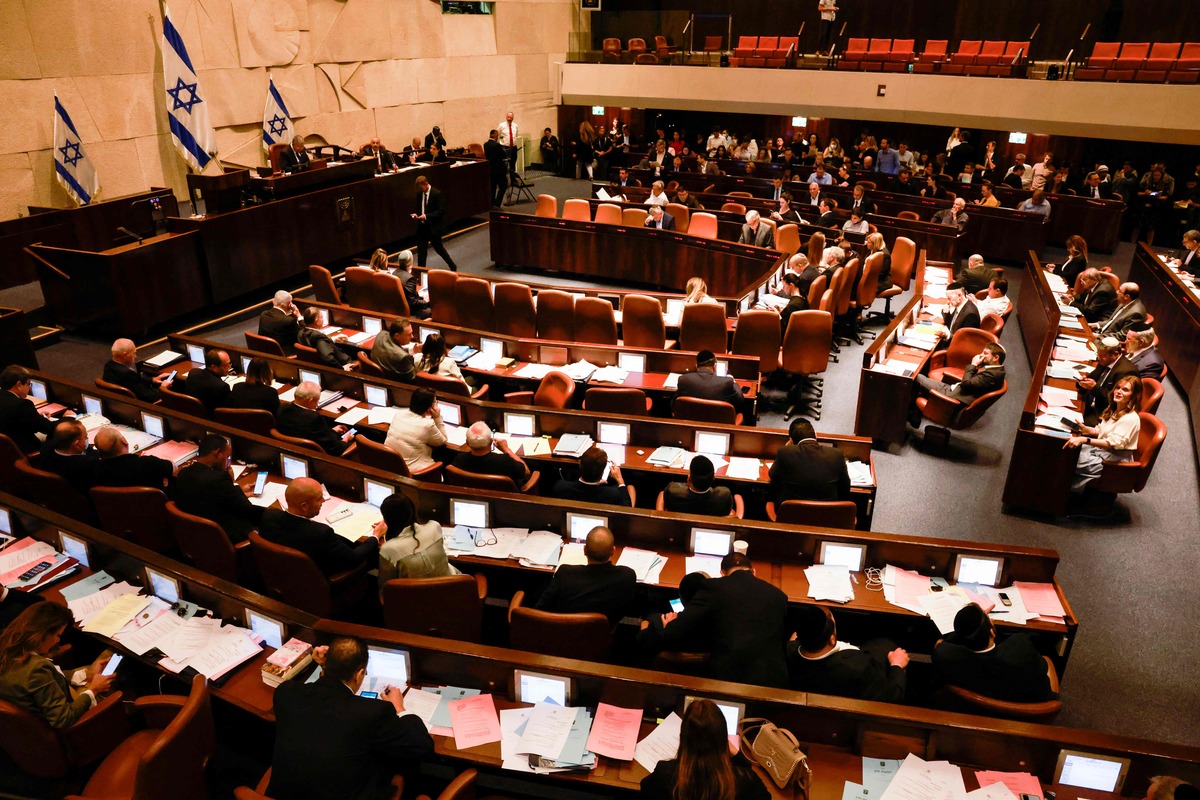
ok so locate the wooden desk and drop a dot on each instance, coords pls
(1176, 309)
(14, 338)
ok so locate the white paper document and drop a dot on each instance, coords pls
(661, 744)
(709, 565)
(744, 468)
(381, 415)
(878, 773)
(354, 416)
(829, 583)
(995, 791)
(645, 563)
(423, 704)
(918, 779)
(547, 730)
(539, 547)
(942, 608)
(534, 371)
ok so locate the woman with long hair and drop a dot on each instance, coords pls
(29, 679)
(875, 244)
(434, 359)
(257, 391)
(584, 154)
(412, 547)
(379, 260)
(816, 249)
(834, 150)
(1115, 437)
(703, 769)
(697, 292)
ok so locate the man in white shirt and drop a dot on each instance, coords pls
(1027, 177)
(714, 141)
(508, 138)
(658, 195)
(997, 301)
(907, 157)
(828, 10)
(1041, 172)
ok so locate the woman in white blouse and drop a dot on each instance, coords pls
(434, 359)
(418, 429)
(1115, 438)
(413, 548)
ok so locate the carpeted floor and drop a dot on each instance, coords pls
(1132, 584)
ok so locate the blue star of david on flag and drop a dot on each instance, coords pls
(179, 89)
(277, 124)
(72, 168)
(67, 149)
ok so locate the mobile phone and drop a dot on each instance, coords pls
(935, 587)
(369, 695)
(1072, 425)
(171, 377)
(112, 665)
(677, 605)
(1004, 599)
(260, 483)
(29, 573)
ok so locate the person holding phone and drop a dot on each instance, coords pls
(600, 586)
(1114, 438)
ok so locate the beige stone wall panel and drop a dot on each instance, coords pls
(18, 187)
(417, 29)
(235, 96)
(532, 74)
(350, 86)
(358, 31)
(298, 85)
(347, 128)
(18, 59)
(399, 124)
(388, 83)
(469, 35)
(214, 22)
(268, 32)
(80, 37)
(523, 27)
(118, 106)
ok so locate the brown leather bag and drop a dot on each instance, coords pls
(776, 751)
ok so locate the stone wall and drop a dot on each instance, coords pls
(347, 69)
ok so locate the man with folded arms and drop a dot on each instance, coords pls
(122, 370)
(297, 529)
(819, 663)
(699, 495)
(483, 460)
(301, 419)
(600, 586)
(972, 659)
(310, 335)
(206, 489)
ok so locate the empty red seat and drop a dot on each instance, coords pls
(933, 55)
(745, 46)
(856, 50)
(787, 44)
(968, 51)
(990, 53)
(766, 46)
(1160, 61)
(1014, 57)
(877, 53)
(1132, 55)
(1103, 55)
(1187, 67)
(902, 51)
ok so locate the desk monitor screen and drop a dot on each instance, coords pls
(195, 353)
(732, 712)
(313, 377)
(376, 492)
(427, 332)
(391, 665)
(674, 310)
(372, 325)
(707, 542)
(451, 413)
(978, 569)
(75, 548)
(580, 525)
(294, 467)
(5, 521)
(469, 513)
(38, 389)
(425, 281)
(632, 362)
(520, 424)
(164, 587)
(92, 405)
(716, 444)
(1091, 771)
(491, 348)
(836, 554)
(722, 368)
(534, 687)
(246, 364)
(271, 630)
(612, 432)
(153, 425)
(763, 291)
(744, 305)
(323, 317)
(375, 395)
(553, 356)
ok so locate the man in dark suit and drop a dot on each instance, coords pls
(207, 385)
(435, 137)
(828, 209)
(1098, 298)
(19, 418)
(789, 287)
(756, 232)
(122, 370)
(481, 459)
(804, 470)
(300, 418)
(1190, 262)
(331, 743)
(206, 488)
(821, 664)
(599, 586)
(971, 658)
(960, 312)
(805, 271)
(281, 321)
(294, 157)
(1129, 310)
(497, 160)
(66, 454)
(384, 161)
(977, 276)
(904, 183)
(296, 528)
(418, 305)
(985, 374)
(743, 619)
(1096, 189)
(698, 495)
(592, 487)
(431, 209)
(1111, 365)
(119, 467)
(657, 218)
(706, 384)
(860, 201)
(391, 351)
(310, 335)
(1141, 352)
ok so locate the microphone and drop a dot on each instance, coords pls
(130, 234)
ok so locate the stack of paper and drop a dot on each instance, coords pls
(902, 587)
(829, 583)
(931, 780)
(354, 416)
(458, 539)
(573, 445)
(271, 493)
(1014, 612)
(349, 520)
(163, 358)
(662, 744)
(665, 456)
(1064, 370)
(360, 337)
(88, 599)
(178, 453)
(506, 541)
(943, 606)
(614, 732)
(462, 353)
(646, 564)
(1068, 310)
(1015, 783)
(744, 468)
(473, 719)
(572, 553)
(381, 415)
(610, 375)
(481, 361)
(709, 565)
(1041, 599)
(580, 370)
(1059, 398)
(540, 548)
(672, 381)
(21, 556)
(860, 473)
(534, 371)
(921, 342)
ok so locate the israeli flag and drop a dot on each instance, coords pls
(188, 113)
(277, 124)
(72, 167)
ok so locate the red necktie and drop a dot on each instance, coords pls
(512, 142)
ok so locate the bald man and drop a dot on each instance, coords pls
(301, 419)
(384, 162)
(119, 467)
(598, 586)
(122, 370)
(281, 321)
(297, 528)
(484, 460)
(66, 453)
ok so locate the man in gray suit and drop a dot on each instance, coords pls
(756, 232)
(1129, 310)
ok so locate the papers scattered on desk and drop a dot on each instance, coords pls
(328, 396)
(289, 396)
(138, 440)
(1015, 612)
(919, 341)
(458, 539)
(860, 473)
(534, 371)
(996, 791)
(1053, 396)
(163, 358)
(610, 375)
(113, 616)
(462, 353)
(902, 587)
(918, 779)
(709, 565)
(579, 371)
(85, 586)
(481, 361)
(573, 445)
(829, 583)
(878, 773)
(546, 731)
(894, 367)
(1068, 310)
(423, 704)
(1041, 599)
(665, 456)
(572, 553)
(506, 541)
(86, 606)
(1052, 422)
(359, 338)
(1072, 353)
(935, 290)
(661, 744)
(1071, 323)
(474, 721)
(614, 732)
(616, 452)
(271, 493)
(1056, 283)
(646, 564)
(449, 694)
(21, 556)
(350, 520)
(539, 548)
(672, 381)
(381, 415)
(773, 301)
(1065, 370)
(1013, 785)
(456, 436)
(354, 416)
(744, 468)
(943, 606)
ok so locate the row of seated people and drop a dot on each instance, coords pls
(1172, 62)
(1002, 59)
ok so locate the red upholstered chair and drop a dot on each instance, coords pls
(785, 53)
(587, 637)
(904, 259)
(682, 215)
(254, 420)
(766, 47)
(379, 456)
(445, 385)
(633, 217)
(595, 322)
(308, 355)
(1120, 477)
(975, 703)
(787, 238)
(1133, 55)
(637, 47)
(932, 57)
(387, 295)
(554, 391)
(714, 44)
(514, 309)
(443, 285)
(1187, 67)
(965, 344)
(293, 578)
(603, 400)
(494, 483)
(51, 491)
(815, 513)
(449, 607)
(136, 514)
(577, 209)
(950, 414)
(864, 298)
(474, 307)
(968, 50)
(358, 288)
(1160, 61)
(806, 345)
(758, 334)
(324, 288)
(37, 749)
(877, 53)
(547, 204)
(610, 54)
(608, 214)
(642, 323)
(1016, 54)
(1102, 58)
(900, 55)
(555, 315)
(1152, 394)
(704, 225)
(206, 546)
(853, 55)
(114, 388)
(10, 454)
(733, 208)
(263, 344)
(702, 326)
(816, 290)
(700, 410)
(844, 299)
(989, 55)
(745, 47)
(992, 323)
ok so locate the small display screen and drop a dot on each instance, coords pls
(535, 688)
(580, 525)
(850, 556)
(1087, 771)
(75, 548)
(92, 405)
(716, 444)
(612, 432)
(391, 665)
(38, 390)
(294, 467)
(375, 395)
(520, 424)
(376, 492)
(492, 348)
(163, 587)
(372, 325)
(451, 414)
(153, 425)
(195, 353)
(985, 571)
(310, 377)
(711, 543)
(269, 629)
(469, 513)
(632, 362)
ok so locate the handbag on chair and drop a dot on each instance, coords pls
(776, 751)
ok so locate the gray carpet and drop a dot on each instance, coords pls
(1132, 585)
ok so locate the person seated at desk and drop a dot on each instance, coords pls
(971, 658)
(703, 768)
(19, 417)
(413, 547)
(987, 197)
(597, 482)
(206, 489)
(698, 495)
(1015, 178)
(297, 529)
(329, 742)
(1111, 365)
(207, 385)
(859, 201)
(658, 195)
(805, 470)
(685, 198)
(706, 384)
(756, 233)
(483, 460)
(1141, 352)
(742, 618)
(953, 215)
(623, 178)
(258, 390)
(977, 275)
(856, 224)
(1165, 787)
(960, 312)
(657, 218)
(828, 209)
(434, 155)
(785, 214)
(311, 335)
(789, 287)
(294, 157)
(281, 321)
(805, 271)
(13, 603)
(1190, 263)
(416, 430)
(819, 663)
(904, 184)
(384, 161)
(696, 291)
(1130, 309)
(31, 680)
(1076, 263)
(984, 374)
(121, 369)
(418, 302)
(412, 154)
(434, 360)
(819, 176)
(875, 244)
(435, 137)
(119, 467)
(1036, 204)
(301, 419)
(1114, 438)
(1097, 299)
(66, 453)
(600, 586)
(814, 198)
(997, 301)
(392, 351)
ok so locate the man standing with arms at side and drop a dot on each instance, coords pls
(122, 371)
(508, 139)
(497, 167)
(828, 10)
(431, 209)
(331, 743)
(600, 586)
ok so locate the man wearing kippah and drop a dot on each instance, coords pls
(972, 659)
(706, 384)
(1111, 365)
